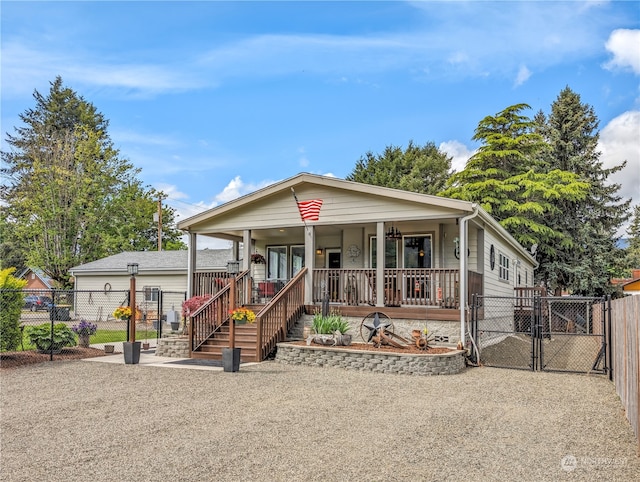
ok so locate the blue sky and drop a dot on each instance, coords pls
(212, 100)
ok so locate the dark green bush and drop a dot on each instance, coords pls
(11, 299)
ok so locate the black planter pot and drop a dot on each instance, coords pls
(231, 359)
(131, 352)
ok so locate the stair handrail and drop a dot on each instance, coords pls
(275, 320)
(212, 315)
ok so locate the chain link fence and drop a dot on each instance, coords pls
(541, 333)
(60, 324)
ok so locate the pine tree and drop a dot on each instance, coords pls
(586, 265)
(424, 169)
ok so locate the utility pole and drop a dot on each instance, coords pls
(158, 218)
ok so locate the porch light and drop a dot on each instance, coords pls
(132, 269)
(233, 267)
(319, 251)
(393, 233)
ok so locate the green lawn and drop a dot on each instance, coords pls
(101, 336)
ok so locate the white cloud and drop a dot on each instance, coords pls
(523, 75)
(459, 152)
(237, 188)
(619, 142)
(624, 44)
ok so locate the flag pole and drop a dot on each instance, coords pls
(298, 207)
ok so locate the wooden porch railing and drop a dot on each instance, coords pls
(276, 319)
(214, 313)
(209, 282)
(415, 286)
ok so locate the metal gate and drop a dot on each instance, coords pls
(566, 334)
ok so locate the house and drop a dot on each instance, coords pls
(36, 279)
(158, 272)
(630, 286)
(361, 248)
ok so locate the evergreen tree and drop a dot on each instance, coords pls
(632, 258)
(69, 197)
(507, 178)
(418, 169)
(586, 265)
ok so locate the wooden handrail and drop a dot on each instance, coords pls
(276, 319)
(208, 319)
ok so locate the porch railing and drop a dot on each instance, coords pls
(412, 286)
(208, 319)
(276, 319)
(209, 282)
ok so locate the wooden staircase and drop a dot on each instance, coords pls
(245, 338)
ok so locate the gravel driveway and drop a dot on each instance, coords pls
(91, 421)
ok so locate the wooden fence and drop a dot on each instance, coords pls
(625, 350)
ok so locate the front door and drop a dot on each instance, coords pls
(334, 262)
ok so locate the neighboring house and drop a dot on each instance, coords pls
(158, 271)
(630, 286)
(368, 248)
(36, 279)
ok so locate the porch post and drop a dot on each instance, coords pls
(310, 262)
(191, 263)
(246, 249)
(380, 246)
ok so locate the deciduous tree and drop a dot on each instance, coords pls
(69, 197)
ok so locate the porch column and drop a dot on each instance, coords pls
(310, 262)
(235, 250)
(246, 249)
(191, 262)
(380, 246)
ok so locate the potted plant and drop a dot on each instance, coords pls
(257, 258)
(40, 336)
(84, 330)
(242, 315)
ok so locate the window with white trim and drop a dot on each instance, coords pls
(503, 267)
(151, 294)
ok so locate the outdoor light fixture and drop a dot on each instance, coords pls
(131, 347)
(233, 267)
(393, 233)
(319, 251)
(132, 269)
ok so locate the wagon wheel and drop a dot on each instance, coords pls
(372, 322)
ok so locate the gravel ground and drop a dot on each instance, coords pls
(91, 421)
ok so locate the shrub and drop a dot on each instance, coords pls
(11, 299)
(40, 336)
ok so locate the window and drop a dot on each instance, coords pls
(503, 264)
(417, 251)
(151, 294)
(390, 253)
(277, 262)
(297, 259)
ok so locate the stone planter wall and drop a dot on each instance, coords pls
(370, 361)
(173, 347)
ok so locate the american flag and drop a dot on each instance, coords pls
(310, 210)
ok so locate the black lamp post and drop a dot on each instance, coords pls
(132, 347)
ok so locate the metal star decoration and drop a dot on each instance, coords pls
(375, 325)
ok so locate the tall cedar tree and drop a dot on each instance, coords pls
(507, 178)
(418, 169)
(586, 265)
(68, 198)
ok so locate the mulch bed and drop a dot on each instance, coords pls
(408, 350)
(14, 359)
